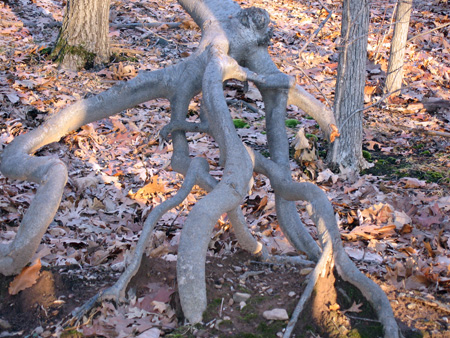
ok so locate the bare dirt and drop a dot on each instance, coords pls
(43, 308)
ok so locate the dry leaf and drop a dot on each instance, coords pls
(354, 308)
(159, 306)
(334, 307)
(334, 133)
(304, 149)
(148, 190)
(27, 277)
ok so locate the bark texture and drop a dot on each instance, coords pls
(234, 45)
(398, 44)
(346, 152)
(83, 40)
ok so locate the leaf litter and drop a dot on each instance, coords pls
(394, 220)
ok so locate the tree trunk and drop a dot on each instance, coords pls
(83, 40)
(346, 151)
(398, 44)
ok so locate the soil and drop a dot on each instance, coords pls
(59, 290)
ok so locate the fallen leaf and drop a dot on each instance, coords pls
(334, 307)
(354, 308)
(334, 133)
(411, 182)
(27, 277)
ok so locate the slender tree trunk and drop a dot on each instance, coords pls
(346, 151)
(398, 44)
(83, 40)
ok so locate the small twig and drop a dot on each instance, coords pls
(386, 32)
(431, 132)
(361, 318)
(145, 24)
(221, 308)
(429, 31)
(313, 35)
(246, 104)
(126, 50)
(314, 84)
(247, 274)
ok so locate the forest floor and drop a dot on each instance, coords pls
(394, 217)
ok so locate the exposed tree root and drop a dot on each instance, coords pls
(234, 45)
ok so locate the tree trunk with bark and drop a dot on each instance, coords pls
(346, 152)
(398, 44)
(83, 40)
(233, 46)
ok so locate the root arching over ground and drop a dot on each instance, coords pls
(233, 46)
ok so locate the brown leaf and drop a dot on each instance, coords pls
(148, 190)
(27, 277)
(334, 133)
(334, 307)
(354, 308)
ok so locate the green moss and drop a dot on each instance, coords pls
(367, 155)
(312, 137)
(271, 330)
(433, 176)
(291, 123)
(71, 334)
(45, 51)
(240, 123)
(309, 117)
(425, 153)
(243, 289)
(63, 48)
(181, 332)
(211, 309)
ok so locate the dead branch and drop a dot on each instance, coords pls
(145, 24)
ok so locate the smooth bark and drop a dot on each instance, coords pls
(398, 44)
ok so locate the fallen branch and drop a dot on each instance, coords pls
(145, 24)
(431, 132)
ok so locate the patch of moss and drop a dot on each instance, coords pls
(312, 137)
(45, 51)
(240, 123)
(181, 332)
(367, 155)
(271, 330)
(243, 289)
(291, 123)
(211, 309)
(63, 48)
(71, 334)
(433, 176)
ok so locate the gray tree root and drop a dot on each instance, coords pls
(233, 46)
